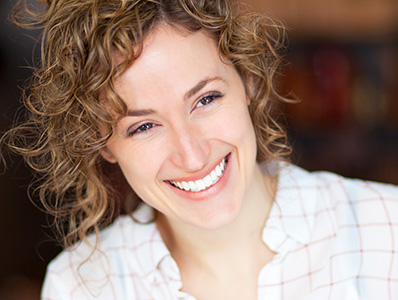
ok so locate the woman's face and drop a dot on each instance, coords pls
(187, 146)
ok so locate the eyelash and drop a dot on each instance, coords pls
(209, 98)
(212, 95)
(142, 128)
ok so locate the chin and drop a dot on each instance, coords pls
(217, 219)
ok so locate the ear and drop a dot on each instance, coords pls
(108, 155)
(249, 89)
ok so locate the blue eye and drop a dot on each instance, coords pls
(206, 100)
(142, 128)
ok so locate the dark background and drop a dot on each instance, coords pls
(342, 66)
(25, 244)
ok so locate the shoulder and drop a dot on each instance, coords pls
(325, 197)
(99, 267)
(342, 207)
(335, 187)
(348, 229)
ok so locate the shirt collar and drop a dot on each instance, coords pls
(293, 211)
(155, 261)
(148, 242)
(291, 219)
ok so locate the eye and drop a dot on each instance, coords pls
(207, 99)
(142, 128)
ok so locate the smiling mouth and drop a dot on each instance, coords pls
(202, 184)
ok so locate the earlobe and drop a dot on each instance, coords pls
(107, 155)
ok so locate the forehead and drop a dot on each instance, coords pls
(171, 57)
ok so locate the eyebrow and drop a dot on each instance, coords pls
(140, 112)
(200, 85)
(136, 113)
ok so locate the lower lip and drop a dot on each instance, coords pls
(214, 189)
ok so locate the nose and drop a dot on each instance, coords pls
(190, 149)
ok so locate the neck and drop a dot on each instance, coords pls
(186, 241)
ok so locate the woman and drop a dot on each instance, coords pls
(176, 95)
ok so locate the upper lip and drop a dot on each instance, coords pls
(199, 174)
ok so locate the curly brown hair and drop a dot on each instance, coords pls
(67, 124)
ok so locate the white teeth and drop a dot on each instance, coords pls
(218, 171)
(213, 175)
(207, 180)
(192, 185)
(204, 183)
(185, 185)
(200, 185)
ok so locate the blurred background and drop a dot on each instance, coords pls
(341, 62)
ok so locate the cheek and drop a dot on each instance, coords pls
(234, 126)
(139, 165)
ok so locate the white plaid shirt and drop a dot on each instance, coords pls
(335, 238)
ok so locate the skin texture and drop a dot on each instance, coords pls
(188, 139)
(188, 111)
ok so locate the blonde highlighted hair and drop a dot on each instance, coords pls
(67, 123)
